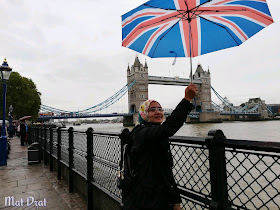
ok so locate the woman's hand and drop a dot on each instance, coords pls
(191, 92)
(177, 206)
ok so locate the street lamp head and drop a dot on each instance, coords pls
(5, 71)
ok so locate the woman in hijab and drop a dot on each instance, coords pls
(154, 186)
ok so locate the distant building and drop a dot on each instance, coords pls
(253, 102)
(274, 108)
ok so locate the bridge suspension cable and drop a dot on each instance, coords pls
(232, 108)
(104, 104)
(221, 98)
(51, 109)
(216, 106)
(108, 102)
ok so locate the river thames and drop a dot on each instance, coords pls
(257, 130)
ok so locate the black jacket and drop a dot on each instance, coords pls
(154, 185)
(22, 129)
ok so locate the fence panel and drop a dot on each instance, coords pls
(106, 151)
(64, 147)
(253, 179)
(80, 152)
(54, 131)
(191, 171)
(47, 139)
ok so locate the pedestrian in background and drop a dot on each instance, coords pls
(22, 133)
(18, 130)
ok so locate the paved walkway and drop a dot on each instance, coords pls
(25, 182)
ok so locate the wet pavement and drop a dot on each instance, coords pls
(24, 186)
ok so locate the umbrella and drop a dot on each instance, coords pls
(24, 118)
(189, 28)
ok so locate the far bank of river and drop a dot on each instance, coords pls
(256, 130)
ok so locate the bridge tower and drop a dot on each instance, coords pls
(139, 91)
(203, 99)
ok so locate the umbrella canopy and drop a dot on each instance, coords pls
(24, 118)
(189, 28)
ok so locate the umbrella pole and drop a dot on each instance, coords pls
(191, 70)
(190, 43)
(190, 36)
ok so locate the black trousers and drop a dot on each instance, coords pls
(22, 139)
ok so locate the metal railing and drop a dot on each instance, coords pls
(211, 173)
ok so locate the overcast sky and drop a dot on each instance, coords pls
(72, 51)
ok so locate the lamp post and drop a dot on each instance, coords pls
(10, 130)
(5, 72)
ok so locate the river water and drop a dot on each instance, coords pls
(258, 130)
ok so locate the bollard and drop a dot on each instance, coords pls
(218, 177)
(89, 157)
(71, 159)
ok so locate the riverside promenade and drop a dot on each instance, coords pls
(26, 182)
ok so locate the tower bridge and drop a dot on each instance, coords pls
(139, 92)
(137, 88)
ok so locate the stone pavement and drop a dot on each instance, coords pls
(23, 183)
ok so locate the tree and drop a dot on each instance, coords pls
(23, 95)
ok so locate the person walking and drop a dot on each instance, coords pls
(18, 130)
(22, 133)
(153, 185)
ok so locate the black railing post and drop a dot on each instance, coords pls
(218, 176)
(51, 149)
(30, 136)
(123, 140)
(89, 157)
(58, 153)
(39, 132)
(45, 146)
(71, 158)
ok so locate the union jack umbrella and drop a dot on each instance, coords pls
(189, 28)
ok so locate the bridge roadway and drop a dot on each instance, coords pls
(47, 117)
(171, 81)
(192, 115)
(236, 113)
